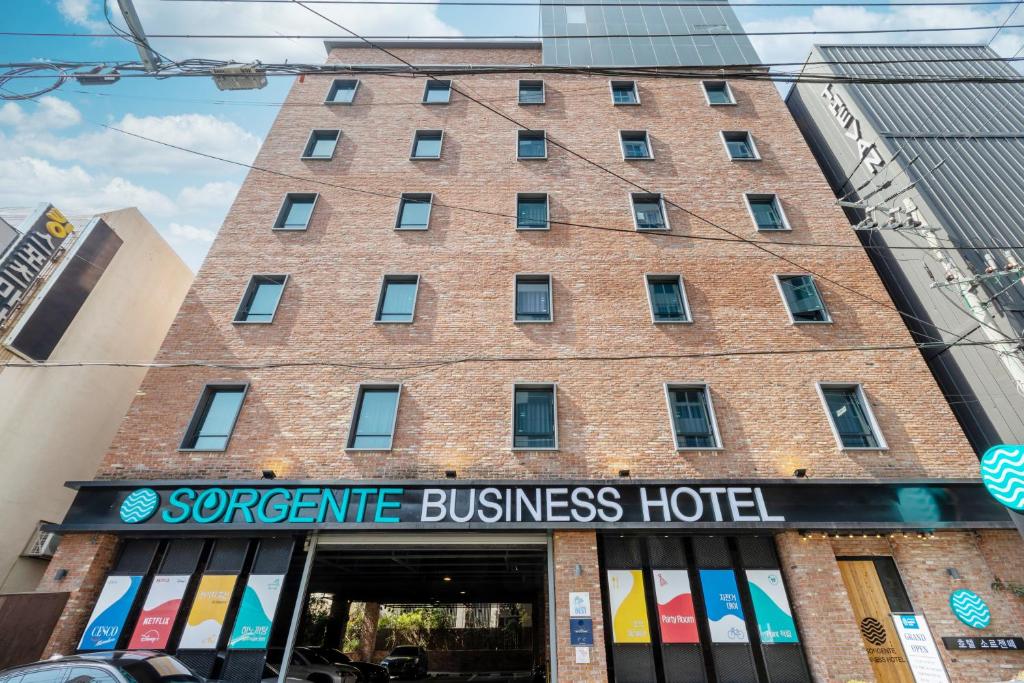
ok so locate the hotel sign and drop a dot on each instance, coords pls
(867, 151)
(27, 258)
(272, 505)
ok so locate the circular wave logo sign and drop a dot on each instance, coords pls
(139, 506)
(1002, 472)
(969, 608)
(873, 631)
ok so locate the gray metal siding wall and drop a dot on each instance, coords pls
(624, 17)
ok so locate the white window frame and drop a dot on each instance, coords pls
(547, 210)
(415, 136)
(310, 141)
(544, 137)
(426, 89)
(661, 203)
(682, 292)
(380, 298)
(647, 140)
(330, 91)
(551, 298)
(862, 397)
(357, 404)
(728, 91)
(401, 204)
(747, 196)
(750, 139)
(785, 303)
(245, 295)
(554, 400)
(282, 213)
(636, 92)
(668, 387)
(543, 92)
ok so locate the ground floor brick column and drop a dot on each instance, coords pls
(827, 625)
(573, 548)
(87, 558)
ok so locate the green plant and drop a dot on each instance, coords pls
(1009, 586)
(354, 629)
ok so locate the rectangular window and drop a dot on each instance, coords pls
(296, 210)
(693, 419)
(343, 91)
(766, 211)
(740, 145)
(635, 144)
(437, 92)
(648, 211)
(625, 92)
(718, 93)
(850, 415)
(397, 299)
(802, 299)
(259, 303)
(321, 144)
(214, 417)
(532, 145)
(535, 416)
(414, 211)
(668, 299)
(533, 298)
(531, 211)
(373, 421)
(426, 144)
(531, 92)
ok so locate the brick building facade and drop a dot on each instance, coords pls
(458, 360)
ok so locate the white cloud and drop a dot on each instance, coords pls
(79, 12)
(190, 233)
(213, 195)
(48, 113)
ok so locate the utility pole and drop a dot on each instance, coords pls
(131, 18)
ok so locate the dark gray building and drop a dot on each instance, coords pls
(950, 156)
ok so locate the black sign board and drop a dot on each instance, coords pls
(581, 632)
(169, 506)
(27, 258)
(972, 643)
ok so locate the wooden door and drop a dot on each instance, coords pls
(871, 608)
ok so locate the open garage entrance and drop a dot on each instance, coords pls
(457, 607)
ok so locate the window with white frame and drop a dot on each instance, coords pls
(342, 91)
(535, 417)
(667, 298)
(851, 418)
(533, 299)
(636, 144)
(648, 211)
(693, 419)
(296, 211)
(740, 145)
(766, 210)
(321, 144)
(531, 92)
(414, 211)
(718, 93)
(625, 92)
(397, 302)
(803, 301)
(374, 417)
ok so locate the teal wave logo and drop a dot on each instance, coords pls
(1002, 472)
(139, 506)
(969, 608)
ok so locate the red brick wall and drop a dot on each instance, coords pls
(573, 548)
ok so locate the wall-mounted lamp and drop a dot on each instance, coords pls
(624, 473)
(451, 474)
(60, 574)
(953, 573)
(800, 472)
(269, 474)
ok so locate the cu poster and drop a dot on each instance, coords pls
(628, 606)
(256, 613)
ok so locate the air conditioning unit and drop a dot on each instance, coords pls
(43, 544)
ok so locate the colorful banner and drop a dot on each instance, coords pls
(256, 613)
(920, 648)
(153, 628)
(109, 614)
(771, 606)
(675, 606)
(628, 606)
(206, 619)
(722, 602)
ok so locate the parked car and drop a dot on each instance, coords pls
(371, 672)
(406, 661)
(314, 669)
(271, 673)
(116, 666)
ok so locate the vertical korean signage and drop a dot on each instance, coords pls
(206, 619)
(722, 602)
(919, 647)
(676, 618)
(153, 627)
(111, 610)
(28, 257)
(771, 606)
(256, 613)
(628, 606)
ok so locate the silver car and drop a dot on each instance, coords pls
(314, 669)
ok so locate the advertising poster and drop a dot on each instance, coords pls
(920, 649)
(676, 617)
(628, 606)
(256, 613)
(206, 619)
(112, 607)
(722, 602)
(771, 606)
(156, 620)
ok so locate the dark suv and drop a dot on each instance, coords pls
(104, 667)
(406, 661)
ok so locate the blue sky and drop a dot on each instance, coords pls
(50, 149)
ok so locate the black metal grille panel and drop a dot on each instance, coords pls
(182, 556)
(683, 663)
(623, 553)
(136, 557)
(200, 661)
(666, 553)
(757, 552)
(228, 555)
(634, 663)
(273, 556)
(243, 666)
(711, 552)
(734, 663)
(785, 663)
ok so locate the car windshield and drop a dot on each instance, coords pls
(405, 651)
(156, 670)
(315, 658)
